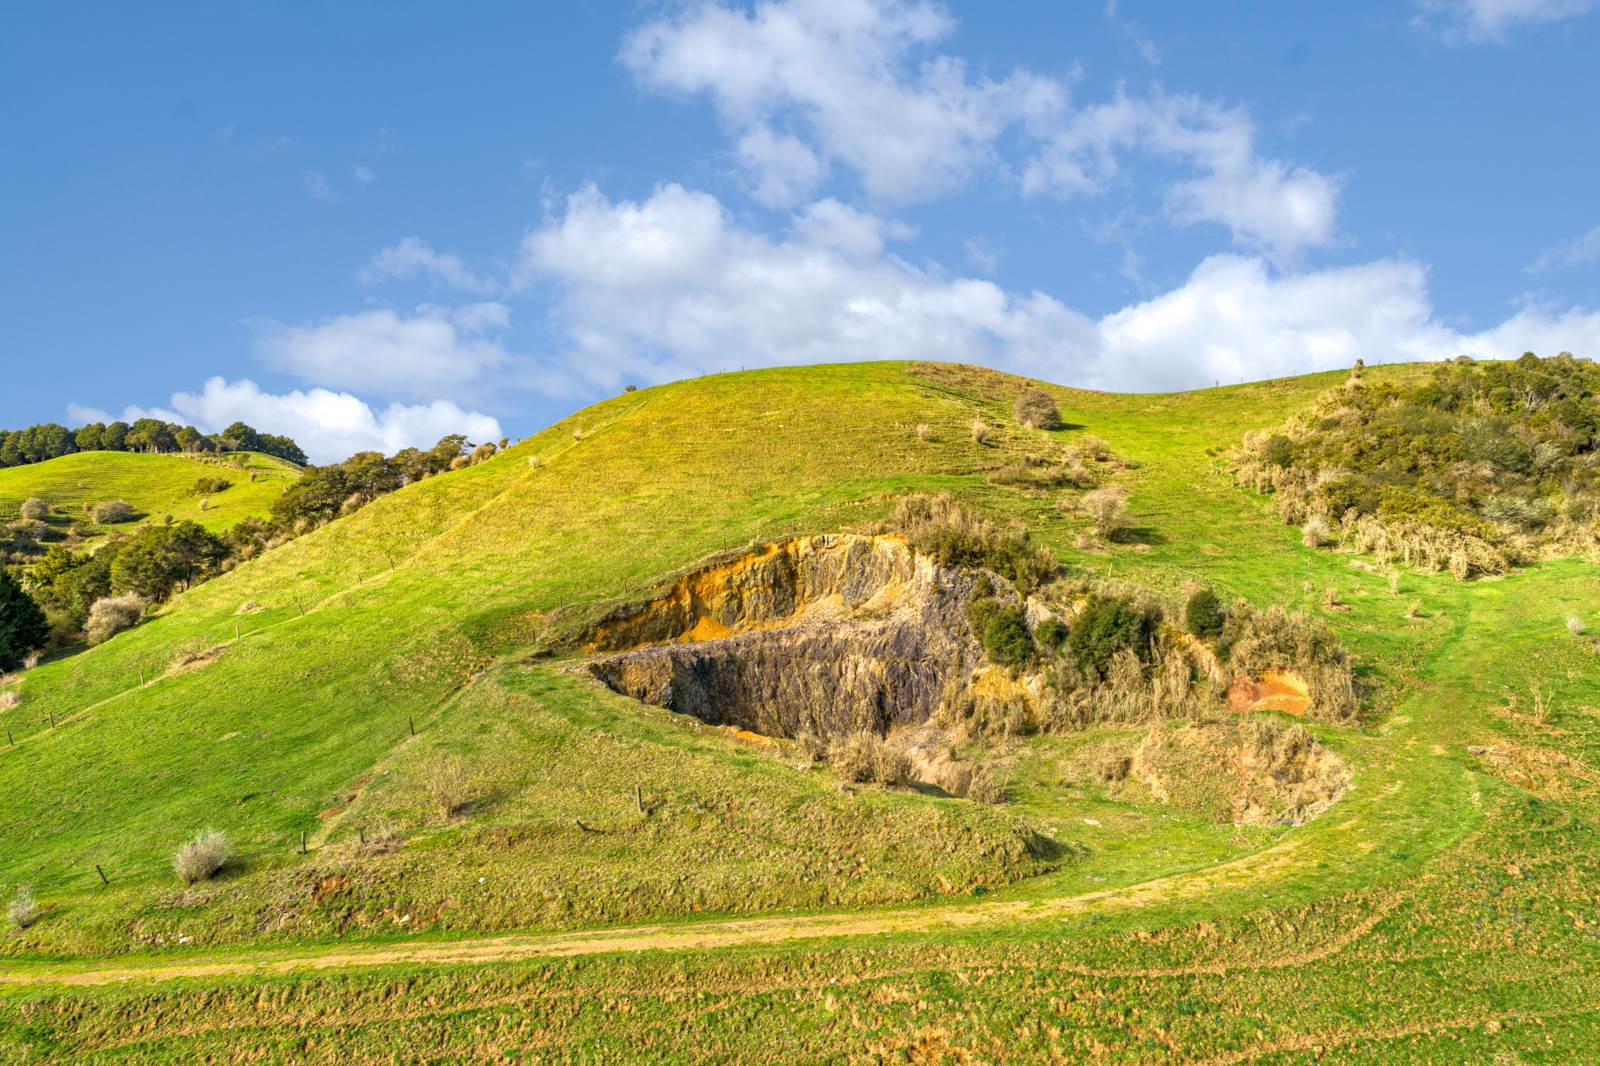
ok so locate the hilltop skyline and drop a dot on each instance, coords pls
(374, 227)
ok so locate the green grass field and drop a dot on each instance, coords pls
(1445, 910)
(155, 485)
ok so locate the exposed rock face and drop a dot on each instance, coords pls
(828, 634)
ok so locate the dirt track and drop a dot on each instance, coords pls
(679, 937)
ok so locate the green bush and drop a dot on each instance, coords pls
(210, 486)
(1107, 625)
(1006, 639)
(1203, 615)
(1050, 634)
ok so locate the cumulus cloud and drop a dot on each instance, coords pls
(672, 286)
(412, 257)
(1265, 203)
(853, 85)
(1488, 21)
(328, 425)
(433, 352)
(845, 72)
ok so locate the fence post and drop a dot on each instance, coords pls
(302, 841)
(104, 880)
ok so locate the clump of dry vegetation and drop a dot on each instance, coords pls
(1481, 466)
(202, 858)
(981, 432)
(34, 509)
(23, 910)
(111, 615)
(112, 512)
(1256, 771)
(448, 783)
(1106, 508)
(1037, 409)
(939, 527)
(867, 757)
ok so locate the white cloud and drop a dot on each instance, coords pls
(316, 183)
(412, 257)
(1136, 37)
(363, 174)
(783, 169)
(80, 415)
(672, 286)
(844, 70)
(1489, 21)
(328, 425)
(849, 82)
(1265, 203)
(1582, 250)
(432, 352)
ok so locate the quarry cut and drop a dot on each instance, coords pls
(828, 634)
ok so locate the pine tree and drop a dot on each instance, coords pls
(22, 625)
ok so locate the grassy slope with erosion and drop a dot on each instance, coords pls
(1443, 911)
(156, 485)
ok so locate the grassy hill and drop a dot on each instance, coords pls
(1442, 911)
(155, 485)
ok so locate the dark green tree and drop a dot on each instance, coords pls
(22, 624)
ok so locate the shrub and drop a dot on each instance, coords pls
(865, 756)
(1107, 625)
(1107, 510)
(1314, 533)
(1202, 614)
(1575, 625)
(23, 626)
(201, 858)
(113, 511)
(34, 509)
(448, 783)
(1037, 408)
(980, 431)
(986, 786)
(23, 910)
(110, 615)
(210, 486)
(938, 527)
(1005, 637)
(1050, 634)
(924, 431)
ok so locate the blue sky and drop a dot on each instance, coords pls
(371, 224)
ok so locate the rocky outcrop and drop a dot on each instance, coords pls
(828, 634)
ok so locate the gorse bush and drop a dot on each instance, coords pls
(1107, 625)
(202, 858)
(1002, 629)
(1202, 614)
(210, 486)
(1479, 466)
(1037, 408)
(34, 509)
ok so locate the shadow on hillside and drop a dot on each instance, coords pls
(1147, 535)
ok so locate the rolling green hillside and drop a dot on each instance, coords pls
(156, 485)
(729, 902)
